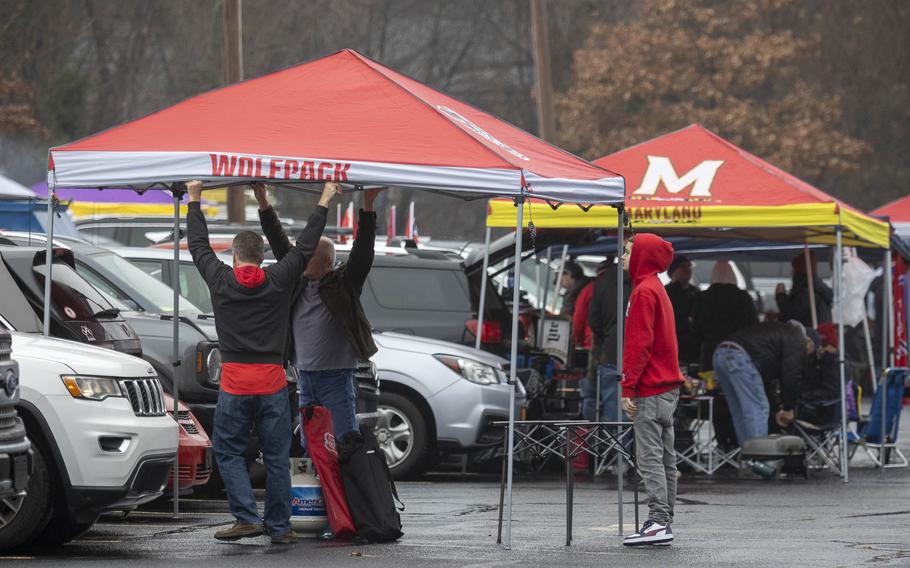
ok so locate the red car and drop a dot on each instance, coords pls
(195, 449)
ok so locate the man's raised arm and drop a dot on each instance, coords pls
(198, 237)
(360, 261)
(271, 225)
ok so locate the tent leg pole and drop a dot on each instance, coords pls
(562, 266)
(870, 353)
(839, 272)
(513, 364)
(810, 282)
(175, 283)
(538, 340)
(620, 309)
(478, 341)
(888, 286)
(48, 261)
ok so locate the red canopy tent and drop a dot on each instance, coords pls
(693, 182)
(897, 210)
(342, 118)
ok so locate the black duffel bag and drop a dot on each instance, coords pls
(368, 487)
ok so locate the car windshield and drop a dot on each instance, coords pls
(158, 293)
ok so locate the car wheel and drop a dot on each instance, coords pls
(60, 531)
(403, 435)
(23, 518)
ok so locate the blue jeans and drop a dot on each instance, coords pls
(745, 392)
(608, 390)
(270, 416)
(333, 390)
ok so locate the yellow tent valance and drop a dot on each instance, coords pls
(84, 209)
(811, 222)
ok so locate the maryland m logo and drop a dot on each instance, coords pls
(660, 170)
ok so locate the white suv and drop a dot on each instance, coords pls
(100, 432)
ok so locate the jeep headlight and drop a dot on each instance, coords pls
(92, 388)
(474, 371)
(213, 363)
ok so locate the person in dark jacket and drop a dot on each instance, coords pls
(760, 368)
(573, 282)
(795, 304)
(682, 296)
(330, 329)
(602, 315)
(719, 311)
(820, 383)
(251, 307)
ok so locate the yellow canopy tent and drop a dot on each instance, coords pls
(692, 182)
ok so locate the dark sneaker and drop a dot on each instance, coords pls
(239, 530)
(289, 537)
(327, 533)
(650, 533)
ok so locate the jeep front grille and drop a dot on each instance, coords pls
(146, 396)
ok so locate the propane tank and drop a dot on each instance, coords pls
(308, 513)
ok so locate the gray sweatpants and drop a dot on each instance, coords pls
(654, 452)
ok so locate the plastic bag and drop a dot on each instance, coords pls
(858, 276)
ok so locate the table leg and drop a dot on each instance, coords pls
(502, 486)
(569, 486)
(711, 440)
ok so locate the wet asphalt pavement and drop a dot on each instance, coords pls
(451, 521)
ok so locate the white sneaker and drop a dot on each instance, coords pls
(650, 533)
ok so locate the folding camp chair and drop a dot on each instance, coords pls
(881, 449)
(823, 440)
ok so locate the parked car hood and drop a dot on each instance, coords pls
(414, 344)
(146, 324)
(81, 358)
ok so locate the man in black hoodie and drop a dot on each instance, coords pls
(251, 307)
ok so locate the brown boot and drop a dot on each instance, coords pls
(239, 530)
(289, 537)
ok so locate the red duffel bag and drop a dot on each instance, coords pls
(320, 440)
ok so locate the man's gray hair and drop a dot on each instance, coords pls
(798, 325)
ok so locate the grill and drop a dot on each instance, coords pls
(184, 419)
(146, 396)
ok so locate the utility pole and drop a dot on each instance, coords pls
(232, 72)
(540, 35)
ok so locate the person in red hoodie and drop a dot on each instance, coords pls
(650, 382)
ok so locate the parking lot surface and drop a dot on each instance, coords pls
(450, 520)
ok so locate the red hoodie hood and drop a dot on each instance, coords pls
(651, 255)
(250, 276)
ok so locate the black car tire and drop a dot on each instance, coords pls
(23, 527)
(60, 531)
(396, 412)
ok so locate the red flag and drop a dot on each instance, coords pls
(900, 324)
(392, 226)
(348, 222)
